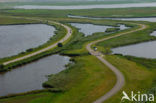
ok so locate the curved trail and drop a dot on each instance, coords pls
(67, 36)
(120, 78)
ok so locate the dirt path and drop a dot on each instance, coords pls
(119, 76)
(69, 33)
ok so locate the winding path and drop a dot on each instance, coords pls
(120, 78)
(67, 36)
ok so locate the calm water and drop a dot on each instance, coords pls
(146, 50)
(89, 29)
(30, 77)
(18, 38)
(151, 19)
(87, 6)
(153, 33)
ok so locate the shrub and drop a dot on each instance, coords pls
(1, 66)
(60, 45)
(29, 50)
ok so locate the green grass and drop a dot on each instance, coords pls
(112, 30)
(13, 21)
(117, 12)
(131, 38)
(138, 78)
(148, 63)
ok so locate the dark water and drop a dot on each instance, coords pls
(88, 6)
(151, 19)
(89, 29)
(30, 77)
(18, 38)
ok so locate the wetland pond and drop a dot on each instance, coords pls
(18, 38)
(31, 76)
(89, 29)
(145, 49)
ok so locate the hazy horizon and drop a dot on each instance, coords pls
(64, 0)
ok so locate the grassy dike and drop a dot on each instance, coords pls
(87, 79)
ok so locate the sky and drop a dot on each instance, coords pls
(55, 0)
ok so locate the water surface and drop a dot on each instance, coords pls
(30, 77)
(88, 6)
(89, 29)
(18, 38)
(146, 50)
(150, 19)
(153, 33)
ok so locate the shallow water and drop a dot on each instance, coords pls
(153, 33)
(18, 38)
(151, 19)
(146, 50)
(30, 77)
(89, 29)
(88, 6)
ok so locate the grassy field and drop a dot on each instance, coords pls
(138, 78)
(126, 12)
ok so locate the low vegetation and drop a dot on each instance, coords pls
(112, 29)
(148, 63)
(126, 12)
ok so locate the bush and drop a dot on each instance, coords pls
(29, 50)
(112, 30)
(1, 66)
(60, 45)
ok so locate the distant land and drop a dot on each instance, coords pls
(73, 0)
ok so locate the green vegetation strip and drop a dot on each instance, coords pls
(115, 12)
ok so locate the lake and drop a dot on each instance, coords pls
(87, 6)
(18, 38)
(145, 49)
(89, 29)
(31, 76)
